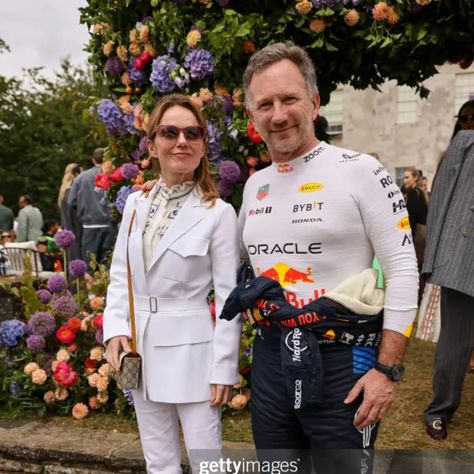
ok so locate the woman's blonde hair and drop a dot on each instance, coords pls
(70, 173)
(416, 174)
(202, 175)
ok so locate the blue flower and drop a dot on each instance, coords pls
(137, 76)
(199, 62)
(110, 114)
(214, 148)
(10, 331)
(161, 68)
(127, 393)
(121, 198)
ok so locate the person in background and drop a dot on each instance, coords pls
(181, 240)
(98, 229)
(69, 218)
(30, 220)
(6, 216)
(50, 253)
(449, 263)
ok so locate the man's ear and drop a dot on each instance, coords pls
(316, 105)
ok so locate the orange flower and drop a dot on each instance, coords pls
(304, 7)
(132, 34)
(74, 323)
(94, 403)
(193, 38)
(351, 17)
(317, 25)
(380, 10)
(126, 81)
(80, 411)
(197, 101)
(145, 34)
(249, 47)
(205, 94)
(97, 303)
(392, 16)
(49, 397)
(107, 48)
(238, 402)
(221, 91)
(122, 53)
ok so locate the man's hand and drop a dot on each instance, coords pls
(220, 394)
(115, 347)
(379, 393)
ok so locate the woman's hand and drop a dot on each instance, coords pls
(220, 394)
(115, 347)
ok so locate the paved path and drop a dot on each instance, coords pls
(48, 447)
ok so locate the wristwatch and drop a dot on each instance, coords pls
(394, 372)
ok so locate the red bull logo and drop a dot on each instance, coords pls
(286, 275)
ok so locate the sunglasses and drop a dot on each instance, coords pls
(6, 236)
(170, 132)
(465, 118)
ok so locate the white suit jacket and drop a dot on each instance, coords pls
(182, 351)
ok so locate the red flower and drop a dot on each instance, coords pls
(252, 134)
(117, 175)
(139, 64)
(65, 335)
(90, 363)
(244, 370)
(212, 305)
(72, 347)
(146, 57)
(97, 322)
(102, 181)
(74, 324)
(64, 374)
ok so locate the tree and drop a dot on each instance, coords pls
(146, 48)
(44, 125)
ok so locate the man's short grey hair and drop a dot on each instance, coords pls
(278, 52)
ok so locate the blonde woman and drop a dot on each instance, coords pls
(69, 219)
(183, 242)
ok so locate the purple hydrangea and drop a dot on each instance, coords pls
(65, 238)
(143, 144)
(41, 323)
(44, 296)
(121, 198)
(224, 188)
(128, 394)
(77, 268)
(128, 124)
(214, 147)
(111, 115)
(114, 66)
(57, 284)
(161, 68)
(99, 336)
(65, 306)
(35, 343)
(229, 171)
(14, 387)
(137, 76)
(136, 154)
(199, 62)
(10, 331)
(130, 171)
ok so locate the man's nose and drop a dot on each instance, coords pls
(279, 113)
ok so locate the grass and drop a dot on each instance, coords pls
(402, 427)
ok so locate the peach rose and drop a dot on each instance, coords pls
(125, 78)
(61, 394)
(30, 367)
(93, 379)
(304, 7)
(317, 25)
(392, 16)
(122, 53)
(79, 411)
(351, 17)
(126, 107)
(106, 370)
(49, 397)
(94, 403)
(134, 49)
(221, 91)
(62, 355)
(102, 383)
(237, 99)
(108, 47)
(205, 94)
(97, 353)
(145, 34)
(133, 35)
(193, 38)
(103, 397)
(379, 12)
(150, 49)
(54, 364)
(197, 101)
(98, 301)
(238, 402)
(39, 376)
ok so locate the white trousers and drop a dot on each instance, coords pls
(159, 433)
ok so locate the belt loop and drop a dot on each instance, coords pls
(153, 304)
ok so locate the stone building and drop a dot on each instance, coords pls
(402, 129)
